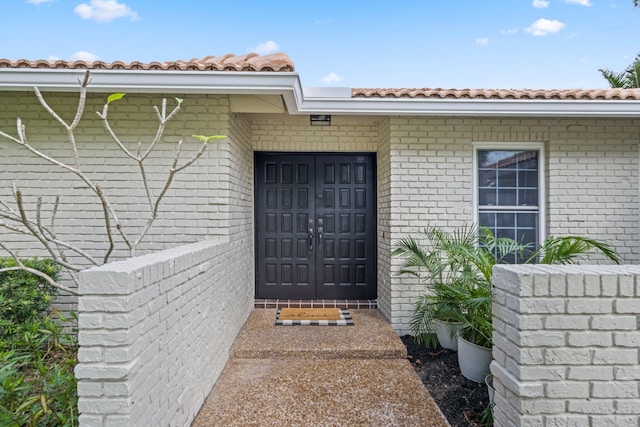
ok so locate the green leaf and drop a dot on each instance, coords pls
(179, 100)
(115, 97)
(206, 139)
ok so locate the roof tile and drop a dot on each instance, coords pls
(229, 62)
(438, 93)
(278, 62)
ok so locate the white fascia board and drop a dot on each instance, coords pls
(287, 85)
(472, 107)
(150, 81)
(327, 92)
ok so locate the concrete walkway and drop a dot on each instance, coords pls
(319, 376)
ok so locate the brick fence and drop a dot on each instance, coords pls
(155, 333)
(566, 345)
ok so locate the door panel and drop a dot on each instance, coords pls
(315, 226)
(284, 198)
(346, 211)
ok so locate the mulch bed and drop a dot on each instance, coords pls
(460, 400)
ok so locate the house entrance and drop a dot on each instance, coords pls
(315, 219)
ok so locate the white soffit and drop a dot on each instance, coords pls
(256, 104)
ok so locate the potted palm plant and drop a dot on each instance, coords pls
(436, 316)
(457, 272)
(435, 319)
(471, 289)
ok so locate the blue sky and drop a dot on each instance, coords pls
(403, 43)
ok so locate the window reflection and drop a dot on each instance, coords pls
(508, 193)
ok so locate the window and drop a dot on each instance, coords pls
(509, 192)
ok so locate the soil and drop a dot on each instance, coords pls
(461, 400)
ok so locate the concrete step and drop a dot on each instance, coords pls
(319, 376)
(370, 337)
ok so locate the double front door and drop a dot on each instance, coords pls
(315, 226)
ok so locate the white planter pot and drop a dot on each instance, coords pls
(490, 390)
(446, 333)
(473, 359)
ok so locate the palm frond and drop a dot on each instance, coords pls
(627, 79)
(417, 261)
(457, 270)
(633, 73)
(567, 249)
(503, 248)
(615, 80)
(422, 327)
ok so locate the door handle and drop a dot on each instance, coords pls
(320, 235)
(310, 238)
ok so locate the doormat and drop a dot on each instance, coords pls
(313, 317)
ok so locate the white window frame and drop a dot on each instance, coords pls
(508, 146)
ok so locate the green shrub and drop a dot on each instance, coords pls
(24, 296)
(37, 384)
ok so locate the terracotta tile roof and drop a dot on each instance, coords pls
(229, 62)
(437, 93)
(279, 62)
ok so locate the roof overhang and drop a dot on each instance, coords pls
(335, 101)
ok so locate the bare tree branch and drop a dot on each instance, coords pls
(116, 139)
(28, 224)
(51, 237)
(46, 235)
(105, 209)
(163, 121)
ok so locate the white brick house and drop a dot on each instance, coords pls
(427, 158)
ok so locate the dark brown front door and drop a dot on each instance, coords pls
(315, 226)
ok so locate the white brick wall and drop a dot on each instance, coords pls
(424, 174)
(155, 332)
(193, 209)
(384, 220)
(193, 301)
(566, 345)
(592, 175)
(593, 181)
(272, 132)
(430, 185)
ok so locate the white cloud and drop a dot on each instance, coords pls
(38, 1)
(331, 78)
(540, 4)
(105, 10)
(266, 47)
(53, 58)
(585, 3)
(542, 27)
(482, 41)
(509, 32)
(84, 56)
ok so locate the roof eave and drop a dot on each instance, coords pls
(473, 107)
(287, 84)
(148, 81)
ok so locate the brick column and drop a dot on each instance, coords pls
(566, 345)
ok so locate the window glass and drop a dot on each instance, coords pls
(508, 194)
